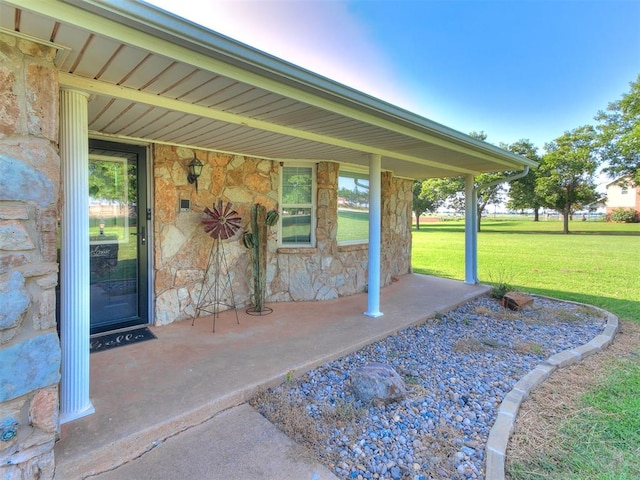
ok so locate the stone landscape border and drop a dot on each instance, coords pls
(496, 449)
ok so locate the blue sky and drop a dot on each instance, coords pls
(514, 69)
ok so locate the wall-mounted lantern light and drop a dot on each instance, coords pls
(195, 170)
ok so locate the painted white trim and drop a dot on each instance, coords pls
(313, 206)
(140, 142)
(151, 298)
(351, 168)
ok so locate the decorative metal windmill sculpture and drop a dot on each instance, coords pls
(221, 223)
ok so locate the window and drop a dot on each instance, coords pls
(624, 190)
(297, 205)
(353, 207)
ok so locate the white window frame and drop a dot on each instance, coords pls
(352, 171)
(312, 205)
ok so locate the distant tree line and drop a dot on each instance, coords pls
(565, 180)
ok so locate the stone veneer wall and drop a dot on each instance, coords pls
(29, 196)
(293, 274)
(182, 248)
(397, 208)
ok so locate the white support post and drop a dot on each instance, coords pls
(375, 222)
(74, 257)
(470, 231)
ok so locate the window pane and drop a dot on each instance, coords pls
(296, 225)
(353, 207)
(296, 185)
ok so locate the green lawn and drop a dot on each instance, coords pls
(599, 264)
(127, 252)
(352, 225)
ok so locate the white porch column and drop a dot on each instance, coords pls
(74, 257)
(375, 217)
(470, 231)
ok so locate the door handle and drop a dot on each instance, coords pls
(142, 235)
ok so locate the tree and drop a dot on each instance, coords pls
(450, 191)
(489, 195)
(619, 135)
(522, 192)
(420, 205)
(566, 174)
(113, 181)
(297, 188)
(427, 197)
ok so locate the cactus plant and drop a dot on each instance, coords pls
(256, 240)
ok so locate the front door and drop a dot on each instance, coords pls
(118, 218)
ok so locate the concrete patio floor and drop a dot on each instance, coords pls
(150, 391)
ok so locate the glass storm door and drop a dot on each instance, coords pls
(117, 236)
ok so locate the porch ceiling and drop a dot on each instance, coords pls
(155, 77)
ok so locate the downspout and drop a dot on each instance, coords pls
(510, 179)
(471, 222)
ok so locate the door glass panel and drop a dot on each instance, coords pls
(113, 240)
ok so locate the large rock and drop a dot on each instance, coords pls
(377, 382)
(516, 300)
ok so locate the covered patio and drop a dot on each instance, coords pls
(148, 392)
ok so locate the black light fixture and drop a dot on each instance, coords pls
(195, 170)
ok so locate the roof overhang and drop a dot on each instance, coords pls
(155, 77)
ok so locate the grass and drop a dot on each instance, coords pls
(127, 266)
(600, 440)
(353, 225)
(294, 420)
(598, 264)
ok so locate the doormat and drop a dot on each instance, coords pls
(120, 339)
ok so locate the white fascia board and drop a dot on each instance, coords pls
(157, 31)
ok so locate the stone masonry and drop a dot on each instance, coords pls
(293, 274)
(29, 196)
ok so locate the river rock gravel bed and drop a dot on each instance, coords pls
(458, 366)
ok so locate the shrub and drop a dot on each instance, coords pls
(624, 215)
(499, 290)
(500, 281)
